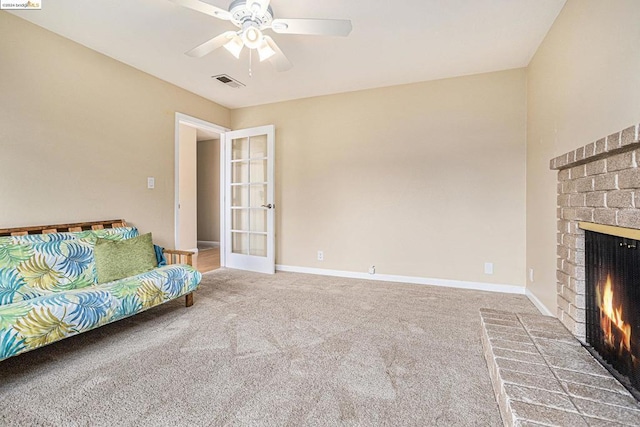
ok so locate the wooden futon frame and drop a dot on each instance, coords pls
(173, 256)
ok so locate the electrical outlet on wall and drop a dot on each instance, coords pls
(488, 268)
(372, 269)
(531, 275)
(320, 256)
(151, 182)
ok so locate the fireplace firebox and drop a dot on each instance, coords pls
(613, 304)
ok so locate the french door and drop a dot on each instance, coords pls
(249, 199)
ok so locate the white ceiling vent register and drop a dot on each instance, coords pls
(229, 81)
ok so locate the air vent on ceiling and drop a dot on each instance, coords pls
(228, 80)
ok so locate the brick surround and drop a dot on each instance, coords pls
(597, 183)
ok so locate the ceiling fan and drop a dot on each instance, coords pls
(253, 17)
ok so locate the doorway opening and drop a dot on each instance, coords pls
(208, 200)
(246, 195)
(198, 174)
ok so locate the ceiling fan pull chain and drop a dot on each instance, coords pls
(250, 56)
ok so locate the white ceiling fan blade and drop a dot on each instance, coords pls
(262, 4)
(211, 45)
(279, 60)
(315, 27)
(203, 7)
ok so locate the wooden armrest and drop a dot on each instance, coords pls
(178, 252)
(175, 256)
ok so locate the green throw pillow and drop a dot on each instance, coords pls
(117, 259)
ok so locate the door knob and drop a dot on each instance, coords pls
(269, 206)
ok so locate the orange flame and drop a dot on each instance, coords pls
(611, 316)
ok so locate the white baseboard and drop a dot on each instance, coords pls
(208, 244)
(191, 250)
(539, 305)
(480, 286)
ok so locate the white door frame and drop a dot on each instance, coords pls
(185, 119)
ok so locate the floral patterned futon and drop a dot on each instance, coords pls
(48, 288)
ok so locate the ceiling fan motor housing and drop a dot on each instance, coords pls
(241, 12)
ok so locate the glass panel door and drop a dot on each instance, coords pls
(249, 201)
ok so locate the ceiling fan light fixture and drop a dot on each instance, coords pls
(234, 46)
(252, 17)
(265, 51)
(252, 37)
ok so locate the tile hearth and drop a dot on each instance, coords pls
(543, 376)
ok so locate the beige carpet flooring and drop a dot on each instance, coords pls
(282, 350)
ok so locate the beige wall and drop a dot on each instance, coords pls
(583, 84)
(188, 189)
(408, 178)
(80, 133)
(422, 180)
(209, 190)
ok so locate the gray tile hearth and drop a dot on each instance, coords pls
(542, 376)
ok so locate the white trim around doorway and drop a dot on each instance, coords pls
(197, 123)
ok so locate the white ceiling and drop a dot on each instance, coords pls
(393, 42)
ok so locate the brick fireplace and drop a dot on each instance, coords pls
(597, 183)
(541, 374)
